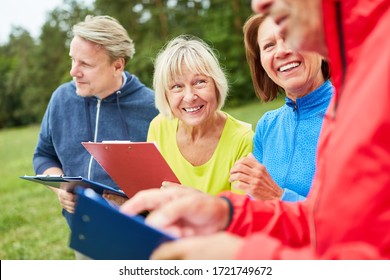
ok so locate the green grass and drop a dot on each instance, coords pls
(31, 224)
(252, 112)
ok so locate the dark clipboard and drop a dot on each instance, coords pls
(134, 166)
(100, 231)
(69, 183)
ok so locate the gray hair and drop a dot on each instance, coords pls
(193, 53)
(108, 33)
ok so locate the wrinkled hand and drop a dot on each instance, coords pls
(180, 211)
(117, 199)
(217, 246)
(253, 178)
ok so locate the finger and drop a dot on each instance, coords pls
(251, 156)
(70, 209)
(243, 177)
(66, 195)
(161, 218)
(145, 200)
(178, 190)
(251, 161)
(166, 184)
(151, 199)
(241, 186)
(198, 212)
(238, 164)
(66, 198)
(247, 163)
(170, 213)
(68, 206)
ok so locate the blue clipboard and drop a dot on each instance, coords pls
(70, 183)
(100, 231)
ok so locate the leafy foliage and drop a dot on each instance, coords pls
(32, 68)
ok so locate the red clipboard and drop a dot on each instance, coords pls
(134, 166)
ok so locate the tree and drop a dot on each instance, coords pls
(14, 67)
(32, 68)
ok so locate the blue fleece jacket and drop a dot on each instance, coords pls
(286, 139)
(70, 119)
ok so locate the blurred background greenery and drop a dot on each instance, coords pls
(31, 224)
(32, 68)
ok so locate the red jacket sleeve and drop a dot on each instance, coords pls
(284, 221)
(279, 230)
(261, 246)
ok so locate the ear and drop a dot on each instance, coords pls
(119, 65)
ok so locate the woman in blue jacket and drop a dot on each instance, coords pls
(283, 162)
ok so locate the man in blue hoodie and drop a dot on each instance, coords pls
(103, 102)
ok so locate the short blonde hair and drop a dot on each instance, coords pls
(193, 53)
(107, 32)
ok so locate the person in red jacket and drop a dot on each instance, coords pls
(347, 212)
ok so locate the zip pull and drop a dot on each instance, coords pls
(99, 101)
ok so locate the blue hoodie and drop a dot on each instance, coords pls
(71, 119)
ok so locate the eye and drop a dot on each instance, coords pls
(176, 88)
(200, 83)
(85, 64)
(268, 46)
(81, 63)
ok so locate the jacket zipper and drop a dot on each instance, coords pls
(94, 137)
(293, 146)
(340, 32)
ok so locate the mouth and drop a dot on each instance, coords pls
(193, 109)
(289, 66)
(80, 82)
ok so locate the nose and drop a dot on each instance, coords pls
(262, 6)
(282, 49)
(74, 70)
(189, 95)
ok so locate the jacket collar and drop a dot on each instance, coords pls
(313, 102)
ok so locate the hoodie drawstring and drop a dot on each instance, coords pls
(89, 127)
(124, 126)
(88, 116)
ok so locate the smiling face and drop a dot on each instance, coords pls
(192, 97)
(92, 70)
(298, 73)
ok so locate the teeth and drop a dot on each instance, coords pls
(289, 66)
(192, 109)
